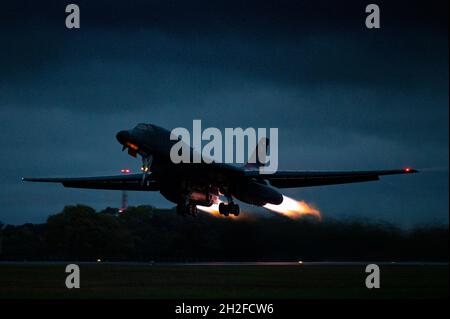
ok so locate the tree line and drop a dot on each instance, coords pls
(145, 233)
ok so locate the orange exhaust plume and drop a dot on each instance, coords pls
(213, 209)
(294, 209)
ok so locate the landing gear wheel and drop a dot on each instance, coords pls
(235, 209)
(187, 209)
(222, 208)
(227, 209)
(192, 210)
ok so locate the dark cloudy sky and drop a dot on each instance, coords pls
(343, 97)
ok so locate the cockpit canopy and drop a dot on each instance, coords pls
(145, 127)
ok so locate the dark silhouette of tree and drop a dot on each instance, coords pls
(145, 233)
(78, 232)
(1, 238)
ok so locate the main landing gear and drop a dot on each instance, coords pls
(230, 208)
(187, 209)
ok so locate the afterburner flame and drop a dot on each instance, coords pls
(213, 209)
(289, 207)
(294, 209)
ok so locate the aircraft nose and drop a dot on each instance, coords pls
(123, 137)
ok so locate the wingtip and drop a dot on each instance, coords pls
(409, 170)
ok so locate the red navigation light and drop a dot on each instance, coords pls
(125, 171)
(407, 170)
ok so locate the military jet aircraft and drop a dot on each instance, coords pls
(192, 184)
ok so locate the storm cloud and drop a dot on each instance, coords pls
(342, 96)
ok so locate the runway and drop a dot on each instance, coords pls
(325, 279)
(228, 263)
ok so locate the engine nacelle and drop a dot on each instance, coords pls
(257, 194)
(195, 195)
(200, 198)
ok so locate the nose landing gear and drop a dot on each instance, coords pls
(146, 165)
